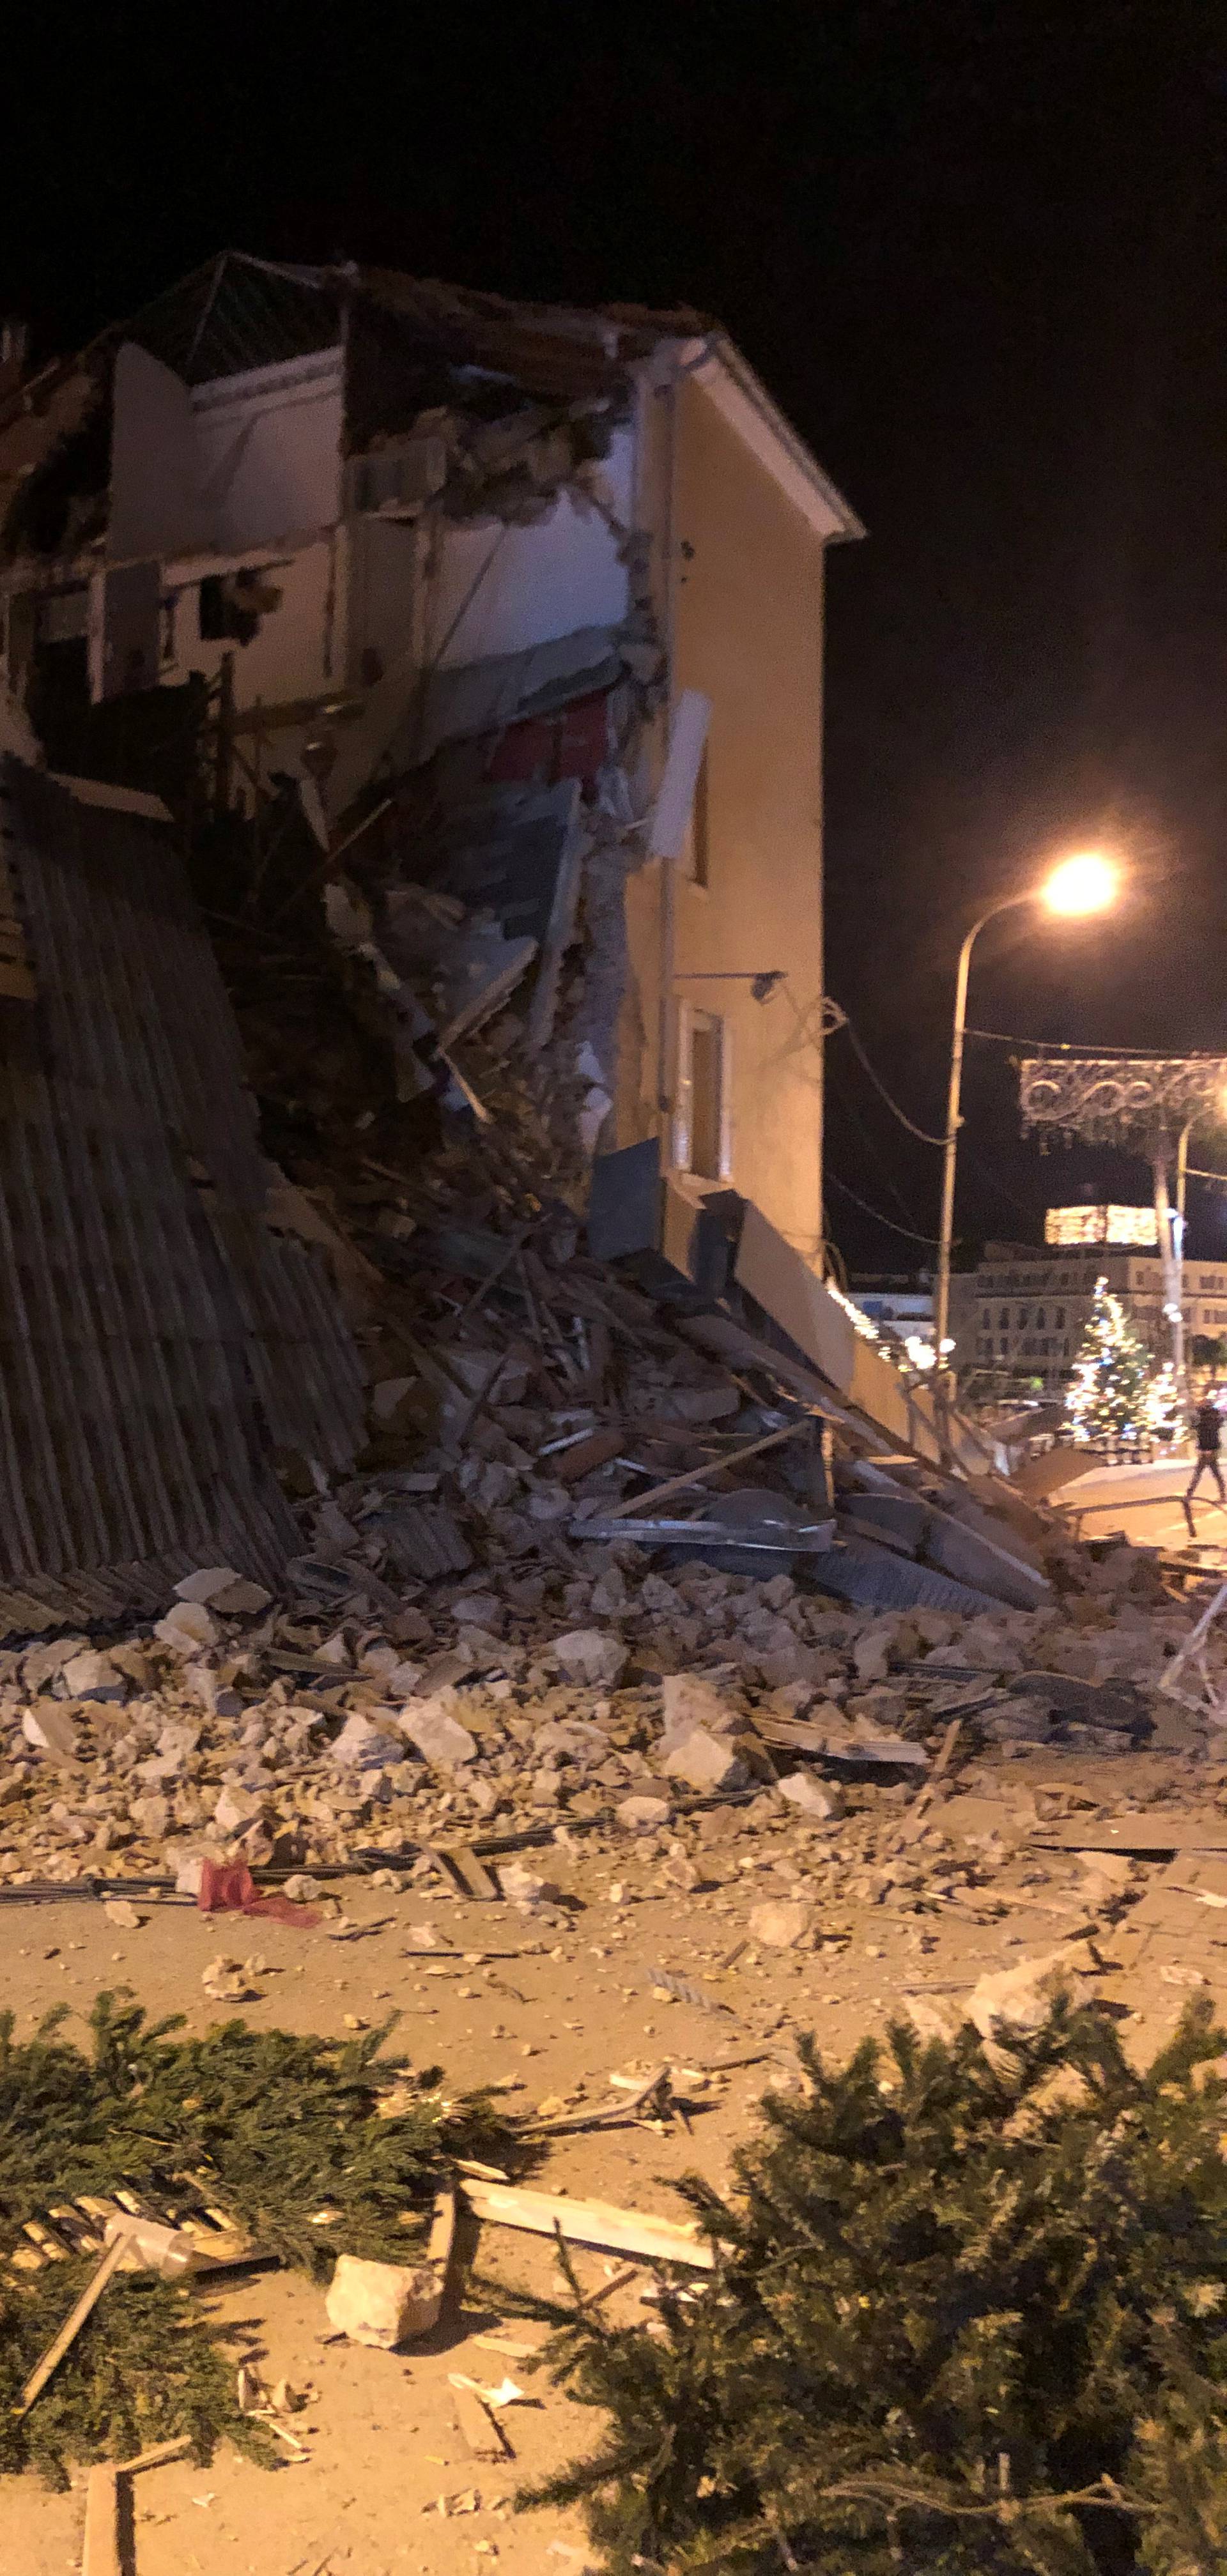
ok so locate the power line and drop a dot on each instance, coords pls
(840, 1098)
(879, 1085)
(1131, 1055)
(878, 1218)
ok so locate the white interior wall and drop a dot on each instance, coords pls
(292, 654)
(382, 590)
(497, 589)
(269, 444)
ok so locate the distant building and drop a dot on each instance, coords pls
(1020, 1316)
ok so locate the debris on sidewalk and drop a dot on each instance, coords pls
(874, 2198)
(384, 2304)
(297, 2155)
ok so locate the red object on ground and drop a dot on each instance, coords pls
(227, 1887)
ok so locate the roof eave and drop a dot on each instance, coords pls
(718, 364)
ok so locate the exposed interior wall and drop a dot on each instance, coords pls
(243, 461)
(269, 445)
(383, 591)
(493, 587)
(295, 651)
(747, 628)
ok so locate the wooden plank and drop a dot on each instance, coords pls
(73, 2323)
(101, 2552)
(732, 1458)
(463, 1865)
(441, 2241)
(590, 2222)
(480, 2432)
(946, 1748)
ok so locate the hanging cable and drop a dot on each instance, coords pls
(876, 1214)
(1061, 1046)
(839, 1099)
(990, 1181)
(879, 1085)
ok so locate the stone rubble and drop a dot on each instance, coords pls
(298, 1734)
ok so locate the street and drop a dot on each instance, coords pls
(1144, 1502)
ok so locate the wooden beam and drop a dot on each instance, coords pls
(73, 2322)
(734, 1458)
(590, 2222)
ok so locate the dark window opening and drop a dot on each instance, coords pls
(707, 1089)
(232, 605)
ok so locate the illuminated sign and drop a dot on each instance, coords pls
(1101, 1225)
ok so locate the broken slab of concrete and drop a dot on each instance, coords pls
(703, 1761)
(383, 2304)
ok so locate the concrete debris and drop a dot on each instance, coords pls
(781, 1927)
(703, 1761)
(813, 1797)
(1020, 1999)
(206, 1585)
(543, 1694)
(382, 2304)
(592, 1655)
(93, 1676)
(231, 1981)
(642, 1815)
(50, 1730)
(188, 1627)
(438, 1736)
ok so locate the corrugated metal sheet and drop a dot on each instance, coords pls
(157, 1340)
(858, 1571)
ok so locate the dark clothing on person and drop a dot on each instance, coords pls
(1208, 1427)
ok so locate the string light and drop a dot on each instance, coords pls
(1119, 1392)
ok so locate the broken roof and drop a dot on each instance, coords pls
(237, 313)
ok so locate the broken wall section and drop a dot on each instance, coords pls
(157, 1340)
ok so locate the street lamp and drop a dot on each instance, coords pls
(1085, 883)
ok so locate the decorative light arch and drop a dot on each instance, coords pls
(1145, 1105)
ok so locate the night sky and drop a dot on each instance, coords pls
(979, 253)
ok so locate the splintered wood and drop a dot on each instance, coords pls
(590, 2222)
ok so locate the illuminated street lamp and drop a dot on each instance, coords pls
(1087, 882)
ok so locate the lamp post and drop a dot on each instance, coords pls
(1085, 884)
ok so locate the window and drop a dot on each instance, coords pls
(696, 851)
(701, 1125)
(1058, 1317)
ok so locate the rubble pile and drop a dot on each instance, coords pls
(530, 1697)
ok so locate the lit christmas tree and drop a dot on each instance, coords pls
(1116, 1380)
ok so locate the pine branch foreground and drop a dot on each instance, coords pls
(282, 2127)
(969, 2314)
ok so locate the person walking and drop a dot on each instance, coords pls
(1208, 1431)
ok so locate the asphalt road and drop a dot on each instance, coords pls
(1145, 1503)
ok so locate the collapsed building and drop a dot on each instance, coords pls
(466, 658)
(400, 541)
